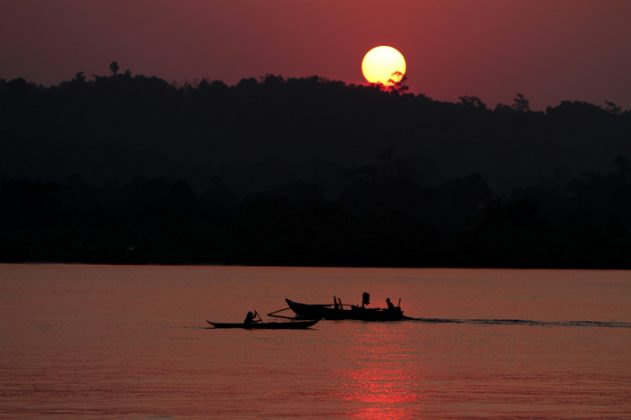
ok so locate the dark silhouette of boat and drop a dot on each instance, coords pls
(339, 312)
(293, 325)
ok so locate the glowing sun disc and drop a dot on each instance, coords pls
(383, 64)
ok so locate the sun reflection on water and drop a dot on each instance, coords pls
(383, 378)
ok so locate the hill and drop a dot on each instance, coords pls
(126, 168)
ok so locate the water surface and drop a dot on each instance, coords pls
(123, 341)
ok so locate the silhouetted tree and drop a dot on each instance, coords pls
(472, 102)
(521, 104)
(397, 83)
(114, 68)
(612, 108)
(79, 77)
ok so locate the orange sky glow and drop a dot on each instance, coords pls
(549, 50)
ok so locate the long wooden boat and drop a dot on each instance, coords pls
(339, 312)
(293, 325)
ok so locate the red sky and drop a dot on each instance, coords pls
(547, 49)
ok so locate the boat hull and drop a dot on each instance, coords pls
(329, 312)
(294, 325)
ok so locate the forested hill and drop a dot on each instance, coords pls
(262, 134)
(125, 168)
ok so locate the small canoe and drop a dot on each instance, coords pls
(294, 325)
(325, 311)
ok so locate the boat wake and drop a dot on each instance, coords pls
(525, 322)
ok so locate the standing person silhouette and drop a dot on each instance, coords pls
(365, 299)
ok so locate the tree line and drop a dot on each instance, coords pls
(380, 218)
(307, 171)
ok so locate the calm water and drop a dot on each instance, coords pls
(112, 342)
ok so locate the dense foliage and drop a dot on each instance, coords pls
(307, 171)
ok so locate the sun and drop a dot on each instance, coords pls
(384, 65)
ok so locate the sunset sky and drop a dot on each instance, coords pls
(549, 50)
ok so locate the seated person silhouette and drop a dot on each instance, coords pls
(250, 318)
(391, 306)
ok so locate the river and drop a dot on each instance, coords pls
(89, 341)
